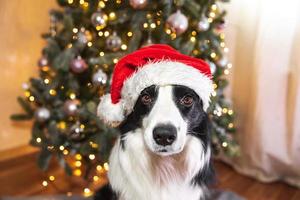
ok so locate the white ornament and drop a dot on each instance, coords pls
(138, 4)
(99, 78)
(222, 62)
(213, 67)
(42, 114)
(177, 22)
(203, 24)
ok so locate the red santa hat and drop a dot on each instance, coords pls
(152, 65)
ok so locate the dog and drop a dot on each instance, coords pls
(163, 152)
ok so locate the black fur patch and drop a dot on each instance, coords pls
(134, 119)
(198, 126)
(105, 193)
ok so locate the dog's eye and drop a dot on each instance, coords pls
(187, 100)
(146, 99)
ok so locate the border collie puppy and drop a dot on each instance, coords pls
(163, 151)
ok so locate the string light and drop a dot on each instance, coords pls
(196, 52)
(50, 147)
(99, 168)
(222, 36)
(115, 60)
(194, 33)
(51, 178)
(214, 7)
(213, 55)
(123, 46)
(65, 152)
(222, 44)
(52, 92)
(38, 140)
(226, 50)
(46, 81)
(226, 71)
(72, 95)
(101, 4)
(215, 86)
(27, 94)
(94, 145)
(230, 125)
(45, 183)
(168, 31)
(92, 156)
(106, 166)
(61, 147)
(224, 144)
(75, 30)
(81, 2)
(230, 112)
(212, 15)
(87, 192)
(77, 172)
(96, 178)
(145, 25)
(193, 39)
(153, 25)
(100, 33)
(45, 68)
(31, 98)
(229, 65)
(106, 33)
(62, 125)
(78, 157)
(78, 163)
(101, 53)
(210, 20)
(112, 16)
(70, 1)
(118, 1)
(89, 44)
(129, 34)
(214, 93)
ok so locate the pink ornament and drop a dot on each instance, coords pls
(78, 65)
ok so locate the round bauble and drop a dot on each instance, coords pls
(43, 61)
(99, 20)
(99, 78)
(213, 67)
(71, 107)
(78, 65)
(177, 22)
(113, 42)
(138, 4)
(42, 114)
(203, 24)
(222, 62)
(148, 42)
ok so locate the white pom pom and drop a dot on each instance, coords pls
(111, 114)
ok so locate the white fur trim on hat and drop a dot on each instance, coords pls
(165, 73)
(112, 114)
(157, 73)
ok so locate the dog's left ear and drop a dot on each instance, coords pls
(207, 174)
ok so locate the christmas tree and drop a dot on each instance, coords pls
(85, 41)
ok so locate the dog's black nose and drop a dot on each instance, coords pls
(164, 134)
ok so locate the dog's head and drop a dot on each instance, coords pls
(168, 116)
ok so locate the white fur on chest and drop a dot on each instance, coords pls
(137, 174)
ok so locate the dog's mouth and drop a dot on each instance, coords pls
(166, 151)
